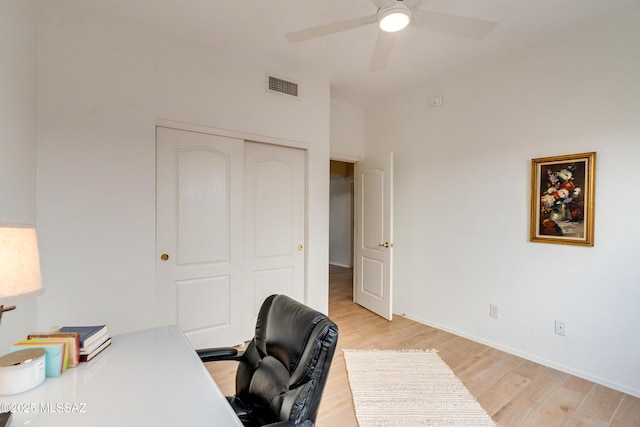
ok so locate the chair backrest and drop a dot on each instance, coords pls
(285, 367)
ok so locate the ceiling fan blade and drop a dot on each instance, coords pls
(451, 24)
(382, 50)
(335, 27)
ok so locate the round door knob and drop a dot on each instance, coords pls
(164, 257)
(299, 247)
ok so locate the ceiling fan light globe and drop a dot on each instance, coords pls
(394, 18)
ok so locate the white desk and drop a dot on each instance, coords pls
(147, 378)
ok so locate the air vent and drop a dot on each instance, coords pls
(281, 86)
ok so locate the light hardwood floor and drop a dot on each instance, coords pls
(514, 391)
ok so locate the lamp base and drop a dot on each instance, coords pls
(21, 370)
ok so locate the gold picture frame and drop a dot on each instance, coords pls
(563, 199)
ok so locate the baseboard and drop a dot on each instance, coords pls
(340, 265)
(533, 358)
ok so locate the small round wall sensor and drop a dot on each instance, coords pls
(436, 101)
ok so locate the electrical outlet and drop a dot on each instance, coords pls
(560, 328)
(494, 311)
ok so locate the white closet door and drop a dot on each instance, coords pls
(275, 221)
(230, 232)
(200, 236)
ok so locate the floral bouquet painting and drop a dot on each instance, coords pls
(563, 199)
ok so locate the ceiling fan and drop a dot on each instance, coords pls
(393, 16)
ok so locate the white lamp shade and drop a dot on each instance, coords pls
(19, 261)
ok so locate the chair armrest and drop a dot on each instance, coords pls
(219, 353)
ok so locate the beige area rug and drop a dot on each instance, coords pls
(409, 388)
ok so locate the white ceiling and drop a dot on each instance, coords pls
(257, 28)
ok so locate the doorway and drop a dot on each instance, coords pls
(361, 229)
(341, 232)
(341, 214)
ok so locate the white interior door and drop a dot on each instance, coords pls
(373, 193)
(275, 212)
(200, 236)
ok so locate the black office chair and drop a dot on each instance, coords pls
(283, 371)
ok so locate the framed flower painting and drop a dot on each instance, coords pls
(562, 199)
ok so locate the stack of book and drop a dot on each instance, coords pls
(62, 350)
(67, 347)
(93, 339)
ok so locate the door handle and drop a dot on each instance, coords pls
(164, 257)
(385, 245)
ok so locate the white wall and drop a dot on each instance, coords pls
(102, 84)
(347, 131)
(462, 194)
(17, 143)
